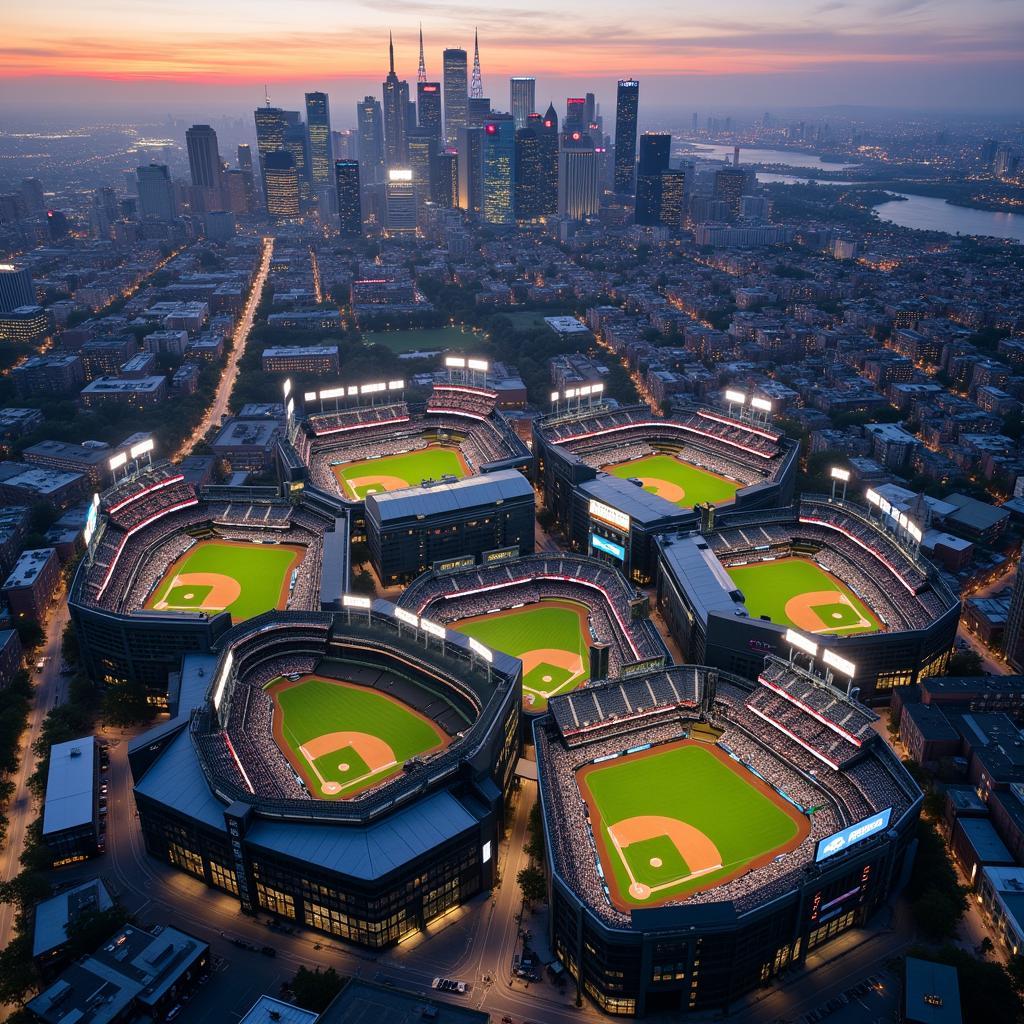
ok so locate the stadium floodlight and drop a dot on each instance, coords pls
(478, 364)
(874, 498)
(351, 601)
(286, 387)
(885, 506)
(352, 390)
(404, 616)
(118, 461)
(222, 682)
(570, 393)
(332, 393)
(433, 628)
(373, 389)
(795, 639)
(839, 474)
(95, 500)
(915, 531)
(396, 385)
(484, 652)
(141, 448)
(761, 403)
(455, 363)
(596, 389)
(309, 396)
(554, 396)
(585, 390)
(735, 396)
(841, 664)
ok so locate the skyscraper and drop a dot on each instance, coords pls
(421, 70)
(626, 103)
(400, 200)
(370, 122)
(529, 173)
(522, 99)
(270, 127)
(673, 198)
(346, 182)
(577, 177)
(654, 160)
(1013, 643)
(156, 193)
(281, 184)
(446, 180)
(499, 170)
(730, 184)
(422, 147)
(318, 119)
(245, 166)
(476, 86)
(456, 95)
(396, 112)
(296, 141)
(203, 157)
(428, 108)
(549, 146)
(478, 111)
(575, 114)
(471, 146)
(15, 287)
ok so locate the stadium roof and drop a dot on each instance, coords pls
(932, 993)
(468, 493)
(176, 779)
(707, 584)
(370, 852)
(69, 785)
(643, 506)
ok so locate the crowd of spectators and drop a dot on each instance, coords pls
(356, 418)
(460, 399)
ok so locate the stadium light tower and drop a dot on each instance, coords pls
(735, 398)
(839, 475)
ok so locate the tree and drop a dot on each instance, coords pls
(91, 927)
(936, 914)
(965, 663)
(314, 990)
(531, 882)
(937, 899)
(1015, 969)
(126, 704)
(934, 803)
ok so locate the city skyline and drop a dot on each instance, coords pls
(913, 54)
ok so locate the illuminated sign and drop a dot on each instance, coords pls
(400, 174)
(795, 639)
(90, 519)
(635, 668)
(554, 396)
(141, 448)
(852, 834)
(612, 516)
(501, 554)
(485, 852)
(491, 129)
(454, 564)
(291, 408)
(599, 543)
(351, 601)
(833, 660)
(118, 461)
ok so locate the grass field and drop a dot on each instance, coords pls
(524, 320)
(680, 819)
(797, 592)
(395, 472)
(676, 481)
(244, 579)
(427, 339)
(552, 639)
(343, 738)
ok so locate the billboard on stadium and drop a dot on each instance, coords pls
(501, 554)
(599, 543)
(454, 564)
(851, 835)
(606, 514)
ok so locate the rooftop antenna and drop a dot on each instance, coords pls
(391, 52)
(476, 89)
(266, 92)
(421, 73)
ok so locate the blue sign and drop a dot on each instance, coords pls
(608, 547)
(852, 834)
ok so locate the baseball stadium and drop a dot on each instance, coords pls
(827, 567)
(361, 761)
(172, 567)
(568, 618)
(706, 831)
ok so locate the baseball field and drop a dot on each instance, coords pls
(342, 738)
(676, 481)
(796, 592)
(396, 472)
(551, 638)
(681, 818)
(224, 575)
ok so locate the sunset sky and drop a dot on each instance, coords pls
(107, 55)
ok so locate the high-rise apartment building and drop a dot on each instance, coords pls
(346, 183)
(522, 99)
(156, 192)
(627, 101)
(296, 141)
(318, 120)
(730, 184)
(456, 94)
(499, 170)
(370, 126)
(245, 166)
(281, 184)
(446, 180)
(575, 114)
(673, 198)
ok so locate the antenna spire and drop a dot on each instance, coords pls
(266, 92)
(476, 89)
(391, 52)
(421, 73)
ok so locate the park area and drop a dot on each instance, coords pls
(456, 338)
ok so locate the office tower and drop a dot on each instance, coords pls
(446, 180)
(270, 125)
(575, 114)
(654, 158)
(428, 108)
(281, 184)
(577, 177)
(396, 112)
(370, 122)
(57, 225)
(296, 141)
(15, 287)
(478, 111)
(730, 184)
(400, 200)
(205, 167)
(245, 166)
(471, 150)
(499, 169)
(236, 191)
(456, 96)
(476, 86)
(528, 174)
(547, 131)
(156, 193)
(421, 70)
(673, 198)
(32, 195)
(344, 144)
(346, 182)
(522, 99)
(422, 149)
(626, 102)
(590, 113)
(1013, 642)
(318, 119)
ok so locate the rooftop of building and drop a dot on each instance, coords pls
(54, 915)
(69, 785)
(27, 568)
(362, 1001)
(488, 490)
(932, 993)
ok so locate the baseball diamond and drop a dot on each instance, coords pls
(342, 738)
(396, 472)
(681, 818)
(551, 638)
(672, 478)
(241, 578)
(797, 592)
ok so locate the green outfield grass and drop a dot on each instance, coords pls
(406, 470)
(314, 710)
(258, 573)
(770, 587)
(550, 638)
(667, 476)
(692, 785)
(427, 339)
